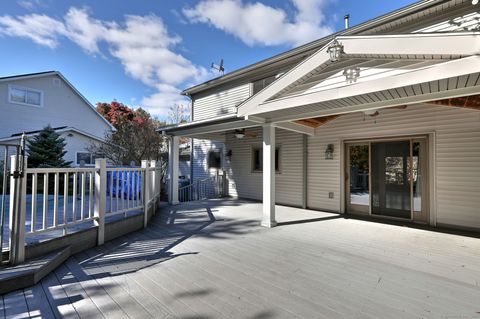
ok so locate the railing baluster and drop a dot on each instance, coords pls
(74, 201)
(128, 189)
(55, 199)
(34, 202)
(117, 188)
(90, 195)
(110, 191)
(45, 200)
(65, 202)
(82, 197)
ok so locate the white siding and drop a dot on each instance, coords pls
(245, 183)
(220, 103)
(457, 156)
(200, 152)
(61, 107)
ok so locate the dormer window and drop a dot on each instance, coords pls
(26, 96)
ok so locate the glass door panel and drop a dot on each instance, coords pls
(358, 178)
(390, 169)
(419, 180)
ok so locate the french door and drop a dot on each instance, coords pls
(388, 178)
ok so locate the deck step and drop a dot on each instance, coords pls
(32, 271)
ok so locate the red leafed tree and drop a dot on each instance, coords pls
(135, 138)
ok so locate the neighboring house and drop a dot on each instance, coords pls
(30, 102)
(380, 120)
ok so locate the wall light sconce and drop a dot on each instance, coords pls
(229, 153)
(329, 152)
(335, 50)
(352, 74)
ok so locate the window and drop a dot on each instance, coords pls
(261, 84)
(215, 159)
(21, 95)
(84, 158)
(257, 159)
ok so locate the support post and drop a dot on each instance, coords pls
(268, 219)
(147, 187)
(173, 163)
(18, 208)
(156, 184)
(100, 198)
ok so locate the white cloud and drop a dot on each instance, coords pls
(142, 44)
(257, 23)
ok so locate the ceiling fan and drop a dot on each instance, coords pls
(241, 133)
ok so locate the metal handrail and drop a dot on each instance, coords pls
(211, 187)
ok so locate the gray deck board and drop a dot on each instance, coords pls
(212, 260)
(2, 308)
(37, 302)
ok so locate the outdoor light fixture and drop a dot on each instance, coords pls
(239, 134)
(335, 50)
(329, 152)
(474, 2)
(352, 74)
(229, 153)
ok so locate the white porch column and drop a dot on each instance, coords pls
(173, 162)
(268, 219)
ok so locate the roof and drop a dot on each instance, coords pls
(317, 44)
(48, 73)
(60, 129)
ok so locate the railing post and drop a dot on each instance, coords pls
(224, 184)
(156, 184)
(146, 192)
(100, 198)
(18, 208)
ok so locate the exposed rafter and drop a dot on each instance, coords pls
(317, 121)
(470, 102)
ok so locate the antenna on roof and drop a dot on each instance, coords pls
(219, 67)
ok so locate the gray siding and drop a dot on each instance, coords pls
(456, 156)
(219, 103)
(245, 183)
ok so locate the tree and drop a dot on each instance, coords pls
(178, 113)
(135, 138)
(47, 149)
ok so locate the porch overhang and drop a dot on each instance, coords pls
(394, 70)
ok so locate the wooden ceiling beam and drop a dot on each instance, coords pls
(469, 102)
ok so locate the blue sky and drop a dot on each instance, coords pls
(143, 52)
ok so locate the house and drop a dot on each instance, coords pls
(380, 120)
(29, 102)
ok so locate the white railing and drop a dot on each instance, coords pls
(211, 187)
(59, 198)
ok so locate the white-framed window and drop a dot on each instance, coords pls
(25, 96)
(257, 159)
(214, 158)
(84, 158)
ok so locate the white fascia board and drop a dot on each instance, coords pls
(430, 73)
(295, 127)
(422, 99)
(464, 44)
(299, 71)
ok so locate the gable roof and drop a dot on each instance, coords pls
(57, 73)
(379, 25)
(60, 129)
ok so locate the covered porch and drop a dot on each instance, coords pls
(374, 77)
(211, 259)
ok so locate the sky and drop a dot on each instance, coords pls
(143, 53)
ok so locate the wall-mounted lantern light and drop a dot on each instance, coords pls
(329, 152)
(335, 50)
(229, 153)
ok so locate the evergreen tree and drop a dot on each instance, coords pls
(47, 149)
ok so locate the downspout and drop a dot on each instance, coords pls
(305, 171)
(191, 140)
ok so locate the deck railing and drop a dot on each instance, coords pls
(211, 187)
(59, 198)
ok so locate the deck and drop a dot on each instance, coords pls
(213, 260)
